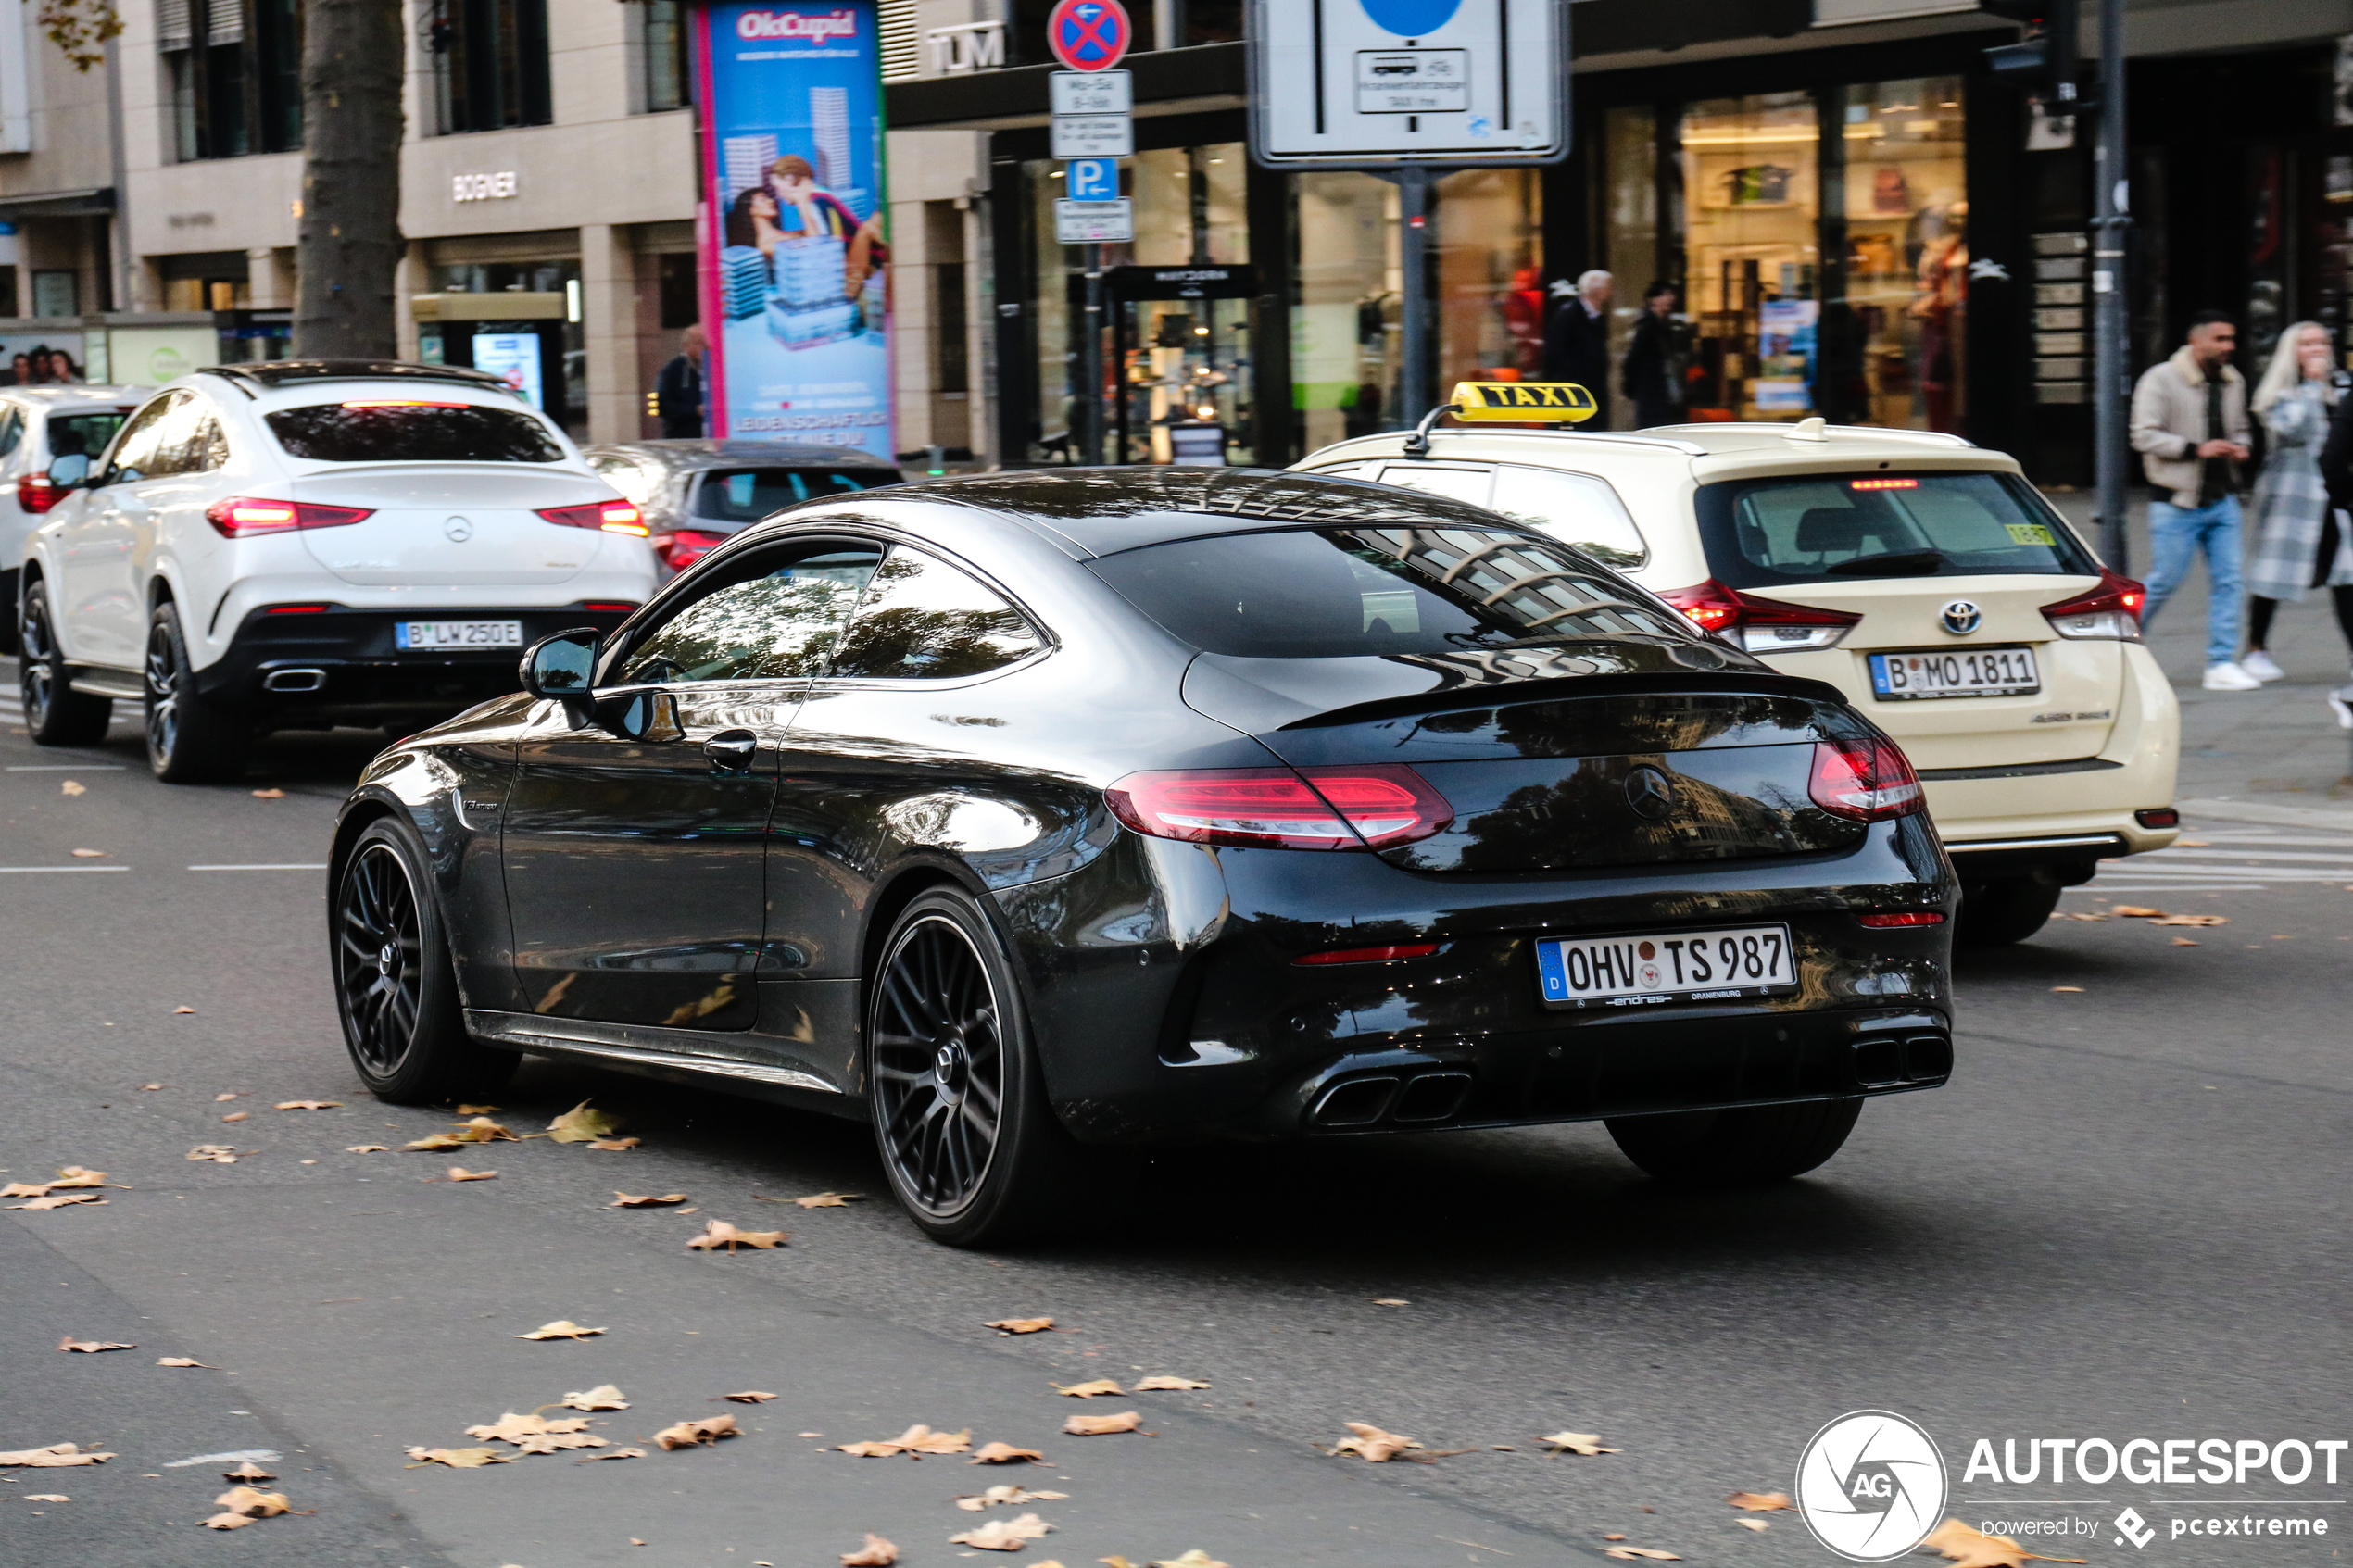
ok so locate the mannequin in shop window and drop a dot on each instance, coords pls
(1939, 303)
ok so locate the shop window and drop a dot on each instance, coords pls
(56, 293)
(490, 63)
(1634, 255)
(669, 84)
(234, 71)
(1347, 278)
(1189, 207)
(540, 346)
(1907, 255)
(1490, 255)
(1753, 257)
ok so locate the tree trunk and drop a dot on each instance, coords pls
(350, 246)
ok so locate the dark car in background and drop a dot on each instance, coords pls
(695, 492)
(1039, 819)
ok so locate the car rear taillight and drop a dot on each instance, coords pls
(296, 609)
(240, 517)
(1897, 919)
(1369, 955)
(1759, 625)
(690, 545)
(614, 517)
(1377, 807)
(36, 494)
(1865, 781)
(2112, 610)
(609, 606)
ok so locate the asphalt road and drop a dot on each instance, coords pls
(2122, 1219)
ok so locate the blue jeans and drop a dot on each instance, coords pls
(2176, 535)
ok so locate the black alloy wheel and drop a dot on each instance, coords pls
(54, 714)
(395, 992)
(190, 740)
(972, 1150)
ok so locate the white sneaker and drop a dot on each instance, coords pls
(2341, 707)
(2260, 665)
(2229, 677)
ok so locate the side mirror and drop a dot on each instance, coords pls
(563, 664)
(643, 715)
(70, 471)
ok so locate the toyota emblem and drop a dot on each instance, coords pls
(1961, 618)
(460, 529)
(1650, 793)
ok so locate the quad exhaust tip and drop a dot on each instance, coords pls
(294, 681)
(1422, 1100)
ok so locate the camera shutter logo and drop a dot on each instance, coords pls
(1961, 618)
(1872, 1485)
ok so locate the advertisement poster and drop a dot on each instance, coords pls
(513, 357)
(1785, 341)
(795, 286)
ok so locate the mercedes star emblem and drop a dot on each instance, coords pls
(460, 529)
(1649, 792)
(1961, 618)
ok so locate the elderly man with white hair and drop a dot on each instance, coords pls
(1577, 342)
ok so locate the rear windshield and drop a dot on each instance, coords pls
(749, 495)
(1339, 591)
(412, 432)
(1760, 533)
(86, 434)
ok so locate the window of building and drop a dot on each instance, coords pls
(233, 69)
(212, 280)
(1345, 327)
(1907, 252)
(490, 63)
(669, 83)
(56, 293)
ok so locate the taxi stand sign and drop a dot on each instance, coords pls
(1521, 402)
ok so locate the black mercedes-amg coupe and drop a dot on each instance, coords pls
(1043, 818)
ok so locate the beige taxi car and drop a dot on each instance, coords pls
(1921, 575)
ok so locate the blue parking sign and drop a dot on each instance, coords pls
(1091, 179)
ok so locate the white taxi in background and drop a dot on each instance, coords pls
(1922, 576)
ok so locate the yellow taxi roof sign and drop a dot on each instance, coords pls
(1551, 402)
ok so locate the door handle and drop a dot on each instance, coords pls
(731, 751)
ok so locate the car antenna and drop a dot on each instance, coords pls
(1417, 444)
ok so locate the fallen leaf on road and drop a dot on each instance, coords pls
(71, 787)
(719, 1235)
(1021, 1325)
(875, 1553)
(57, 1456)
(184, 1360)
(697, 1434)
(46, 1496)
(367, 1148)
(2192, 844)
(60, 1200)
(1371, 1443)
(459, 1459)
(248, 1471)
(308, 1105)
(217, 1099)
(2135, 911)
(1390, 1302)
(617, 1453)
(78, 1176)
(1087, 1391)
(2193, 920)
(100, 855)
(1004, 1496)
(459, 1174)
(434, 1141)
(580, 1125)
(554, 1442)
(513, 1428)
(1003, 1535)
(749, 1397)
(1168, 1384)
(2067, 988)
(1196, 1558)
(916, 1439)
(151, 1086)
(603, 1397)
(268, 795)
(1759, 1502)
(1971, 1548)
(236, 1116)
(1005, 1453)
(2082, 917)
(563, 1328)
(476, 1111)
(1632, 1553)
(219, 1153)
(1102, 1425)
(91, 1347)
(1586, 1443)
(2183, 942)
(482, 1129)
(253, 1504)
(1752, 1524)
(614, 1146)
(176, 1011)
(641, 1201)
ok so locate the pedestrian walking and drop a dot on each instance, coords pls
(1648, 376)
(2300, 542)
(2189, 425)
(678, 391)
(1577, 342)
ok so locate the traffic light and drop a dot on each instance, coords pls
(2045, 61)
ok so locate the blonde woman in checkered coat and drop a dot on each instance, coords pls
(2300, 541)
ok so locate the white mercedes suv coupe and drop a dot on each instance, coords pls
(312, 543)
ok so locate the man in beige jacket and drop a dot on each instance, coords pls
(2189, 425)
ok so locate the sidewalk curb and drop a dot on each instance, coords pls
(2278, 816)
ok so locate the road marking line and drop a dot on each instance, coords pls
(268, 866)
(31, 870)
(65, 767)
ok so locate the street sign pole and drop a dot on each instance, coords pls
(1090, 358)
(1414, 376)
(2110, 227)
(1093, 102)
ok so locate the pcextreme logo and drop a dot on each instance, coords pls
(1872, 1485)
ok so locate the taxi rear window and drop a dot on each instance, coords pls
(1830, 528)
